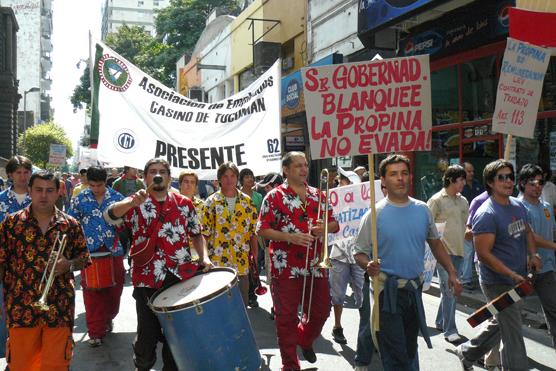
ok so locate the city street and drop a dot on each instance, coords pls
(116, 352)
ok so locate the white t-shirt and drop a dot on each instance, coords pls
(20, 197)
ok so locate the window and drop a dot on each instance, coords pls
(140, 3)
(444, 89)
(479, 83)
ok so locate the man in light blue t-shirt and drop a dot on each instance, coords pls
(502, 239)
(403, 226)
(542, 223)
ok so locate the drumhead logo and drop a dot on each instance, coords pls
(125, 141)
(113, 73)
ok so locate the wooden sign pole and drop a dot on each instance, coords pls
(507, 148)
(375, 319)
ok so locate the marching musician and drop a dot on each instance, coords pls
(162, 223)
(229, 221)
(101, 304)
(188, 182)
(40, 339)
(502, 239)
(289, 219)
(403, 225)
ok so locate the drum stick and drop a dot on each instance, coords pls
(157, 179)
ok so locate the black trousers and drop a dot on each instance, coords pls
(149, 333)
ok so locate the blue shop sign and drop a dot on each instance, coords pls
(377, 14)
(462, 29)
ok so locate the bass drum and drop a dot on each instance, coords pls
(205, 323)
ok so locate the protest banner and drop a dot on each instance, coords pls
(139, 118)
(57, 155)
(369, 107)
(519, 89)
(349, 204)
(87, 158)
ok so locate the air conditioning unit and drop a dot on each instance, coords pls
(197, 94)
(287, 63)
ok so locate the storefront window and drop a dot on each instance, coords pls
(431, 165)
(548, 100)
(444, 85)
(478, 88)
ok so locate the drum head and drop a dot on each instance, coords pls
(96, 255)
(199, 288)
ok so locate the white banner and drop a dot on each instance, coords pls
(140, 119)
(368, 107)
(349, 203)
(87, 158)
(519, 88)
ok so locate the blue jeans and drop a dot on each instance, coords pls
(446, 315)
(365, 346)
(468, 262)
(398, 334)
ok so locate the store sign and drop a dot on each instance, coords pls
(376, 14)
(519, 88)
(462, 29)
(291, 91)
(368, 107)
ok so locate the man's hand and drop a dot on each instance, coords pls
(517, 278)
(454, 285)
(139, 197)
(318, 230)
(373, 268)
(62, 266)
(534, 264)
(302, 239)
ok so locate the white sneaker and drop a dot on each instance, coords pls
(361, 368)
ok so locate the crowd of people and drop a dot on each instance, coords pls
(53, 225)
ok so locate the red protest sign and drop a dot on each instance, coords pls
(368, 107)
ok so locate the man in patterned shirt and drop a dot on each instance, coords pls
(101, 305)
(15, 198)
(229, 221)
(289, 219)
(188, 182)
(171, 262)
(40, 339)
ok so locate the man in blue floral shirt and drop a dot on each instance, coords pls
(13, 199)
(101, 305)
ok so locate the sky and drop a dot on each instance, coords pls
(72, 20)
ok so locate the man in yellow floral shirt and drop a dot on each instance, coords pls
(229, 221)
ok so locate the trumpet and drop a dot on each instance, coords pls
(324, 262)
(48, 275)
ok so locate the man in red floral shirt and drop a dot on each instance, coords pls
(170, 219)
(288, 218)
(40, 339)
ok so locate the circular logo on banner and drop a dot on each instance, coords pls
(292, 95)
(113, 73)
(125, 141)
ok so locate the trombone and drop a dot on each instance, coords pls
(323, 262)
(48, 275)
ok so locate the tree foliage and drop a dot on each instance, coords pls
(178, 27)
(38, 140)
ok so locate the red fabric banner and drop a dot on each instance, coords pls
(536, 28)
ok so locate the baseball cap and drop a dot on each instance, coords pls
(351, 175)
(271, 178)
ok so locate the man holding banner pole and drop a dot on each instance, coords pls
(400, 263)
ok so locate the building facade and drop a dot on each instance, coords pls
(9, 96)
(116, 13)
(34, 63)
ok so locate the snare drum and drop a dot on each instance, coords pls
(205, 323)
(100, 274)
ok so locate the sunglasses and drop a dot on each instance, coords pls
(534, 182)
(504, 177)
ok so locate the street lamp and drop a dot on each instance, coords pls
(32, 90)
